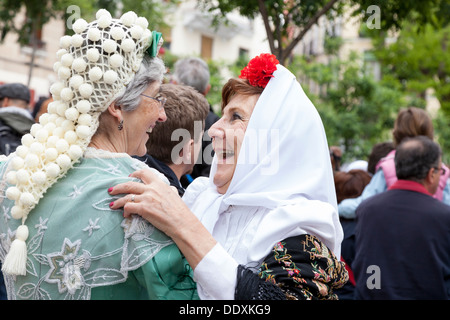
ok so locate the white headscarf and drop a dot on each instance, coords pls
(284, 165)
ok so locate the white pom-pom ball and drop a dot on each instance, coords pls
(27, 139)
(63, 73)
(110, 77)
(127, 45)
(31, 160)
(67, 125)
(142, 22)
(51, 108)
(17, 212)
(39, 177)
(51, 141)
(52, 170)
(66, 60)
(83, 131)
(70, 136)
(35, 128)
(60, 53)
(85, 90)
(22, 151)
(66, 94)
(80, 25)
(58, 132)
(26, 199)
(109, 46)
(76, 81)
(61, 118)
(77, 40)
(95, 74)
(11, 177)
(50, 126)
(128, 18)
(65, 42)
(101, 13)
(136, 32)
(36, 147)
(42, 135)
(17, 163)
(93, 55)
(116, 61)
(61, 109)
(72, 114)
(51, 154)
(43, 118)
(117, 33)
(85, 119)
(22, 176)
(104, 21)
(22, 233)
(79, 65)
(83, 106)
(56, 66)
(13, 193)
(93, 34)
(64, 161)
(75, 152)
(62, 145)
(56, 88)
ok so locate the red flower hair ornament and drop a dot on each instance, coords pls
(260, 69)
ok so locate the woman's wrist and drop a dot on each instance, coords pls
(193, 240)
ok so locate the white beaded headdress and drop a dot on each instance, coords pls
(94, 66)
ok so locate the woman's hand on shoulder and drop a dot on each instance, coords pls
(157, 202)
(153, 200)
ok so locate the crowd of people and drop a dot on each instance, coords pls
(104, 196)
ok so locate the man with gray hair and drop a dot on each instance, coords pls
(403, 235)
(194, 72)
(15, 117)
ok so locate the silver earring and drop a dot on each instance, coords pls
(120, 126)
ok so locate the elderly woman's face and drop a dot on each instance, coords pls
(140, 122)
(228, 134)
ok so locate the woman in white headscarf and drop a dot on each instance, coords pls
(269, 203)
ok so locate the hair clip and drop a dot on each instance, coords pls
(156, 44)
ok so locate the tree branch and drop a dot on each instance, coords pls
(308, 26)
(265, 17)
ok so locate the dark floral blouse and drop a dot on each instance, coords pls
(298, 268)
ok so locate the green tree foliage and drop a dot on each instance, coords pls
(287, 21)
(357, 111)
(419, 60)
(39, 12)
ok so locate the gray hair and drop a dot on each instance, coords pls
(151, 70)
(193, 72)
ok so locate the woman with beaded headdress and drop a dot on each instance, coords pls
(264, 225)
(57, 240)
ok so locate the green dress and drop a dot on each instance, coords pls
(78, 248)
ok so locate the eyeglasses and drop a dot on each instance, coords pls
(442, 170)
(161, 100)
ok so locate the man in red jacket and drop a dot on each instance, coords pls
(403, 234)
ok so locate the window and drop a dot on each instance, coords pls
(206, 50)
